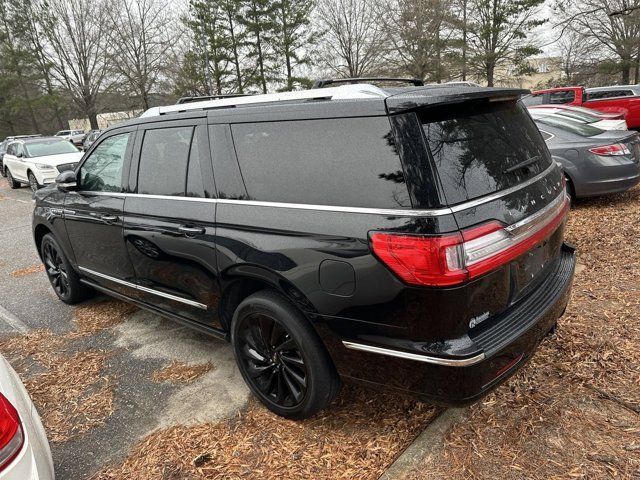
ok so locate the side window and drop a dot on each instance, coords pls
(229, 183)
(19, 149)
(10, 149)
(320, 161)
(565, 96)
(195, 186)
(102, 171)
(546, 136)
(163, 161)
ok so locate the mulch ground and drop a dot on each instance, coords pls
(68, 386)
(574, 411)
(21, 272)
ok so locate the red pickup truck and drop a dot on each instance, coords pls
(621, 99)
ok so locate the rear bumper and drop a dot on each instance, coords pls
(492, 352)
(611, 180)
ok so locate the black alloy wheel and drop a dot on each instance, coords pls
(273, 360)
(56, 270)
(33, 182)
(281, 357)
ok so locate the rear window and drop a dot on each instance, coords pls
(477, 147)
(564, 96)
(568, 125)
(343, 162)
(533, 99)
(603, 94)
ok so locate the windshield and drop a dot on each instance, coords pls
(483, 147)
(49, 147)
(568, 125)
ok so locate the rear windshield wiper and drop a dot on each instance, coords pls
(524, 163)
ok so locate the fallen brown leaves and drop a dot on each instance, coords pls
(68, 387)
(180, 372)
(358, 437)
(573, 411)
(22, 272)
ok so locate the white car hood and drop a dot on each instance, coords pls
(56, 160)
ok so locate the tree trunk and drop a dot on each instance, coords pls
(490, 71)
(93, 120)
(263, 80)
(236, 59)
(464, 40)
(626, 62)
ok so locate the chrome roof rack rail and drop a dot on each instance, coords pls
(183, 100)
(344, 92)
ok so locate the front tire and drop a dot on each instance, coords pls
(281, 358)
(10, 180)
(63, 278)
(33, 182)
(3, 170)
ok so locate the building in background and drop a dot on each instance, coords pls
(105, 120)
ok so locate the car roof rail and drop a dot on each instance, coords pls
(201, 98)
(331, 81)
(343, 92)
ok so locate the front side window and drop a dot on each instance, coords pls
(349, 162)
(102, 171)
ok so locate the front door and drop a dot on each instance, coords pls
(94, 215)
(170, 222)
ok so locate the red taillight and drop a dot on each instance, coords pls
(452, 259)
(11, 435)
(608, 150)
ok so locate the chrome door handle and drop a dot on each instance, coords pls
(109, 218)
(186, 230)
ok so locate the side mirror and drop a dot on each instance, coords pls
(67, 181)
(19, 155)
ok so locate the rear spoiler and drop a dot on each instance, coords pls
(430, 96)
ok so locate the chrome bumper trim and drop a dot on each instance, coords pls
(447, 362)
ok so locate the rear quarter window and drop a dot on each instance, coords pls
(477, 146)
(343, 162)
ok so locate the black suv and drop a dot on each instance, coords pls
(408, 237)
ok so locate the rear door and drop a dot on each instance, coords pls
(494, 166)
(170, 220)
(93, 214)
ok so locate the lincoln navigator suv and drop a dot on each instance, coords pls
(407, 237)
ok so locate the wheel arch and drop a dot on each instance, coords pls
(240, 281)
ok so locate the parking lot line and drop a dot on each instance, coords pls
(13, 321)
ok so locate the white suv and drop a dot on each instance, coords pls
(74, 136)
(38, 161)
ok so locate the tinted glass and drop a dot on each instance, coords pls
(531, 100)
(566, 96)
(608, 94)
(546, 135)
(195, 187)
(49, 147)
(477, 147)
(229, 183)
(102, 171)
(566, 124)
(345, 162)
(163, 161)
(10, 149)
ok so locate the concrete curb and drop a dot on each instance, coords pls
(429, 442)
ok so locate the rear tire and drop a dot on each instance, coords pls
(63, 278)
(281, 357)
(570, 189)
(12, 183)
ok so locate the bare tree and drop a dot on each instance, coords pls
(354, 37)
(617, 32)
(140, 31)
(577, 52)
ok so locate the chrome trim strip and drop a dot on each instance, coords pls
(192, 303)
(532, 220)
(447, 362)
(394, 212)
(502, 193)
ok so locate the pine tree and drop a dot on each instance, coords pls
(257, 17)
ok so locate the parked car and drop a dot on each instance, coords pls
(3, 147)
(90, 138)
(410, 238)
(24, 450)
(595, 161)
(620, 99)
(37, 162)
(580, 115)
(74, 136)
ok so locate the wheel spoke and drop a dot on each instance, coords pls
(299, 379)
(254, 354)
(287, 344)
(292, 360)
(280, 393)
(257, 371)
(293, 389)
